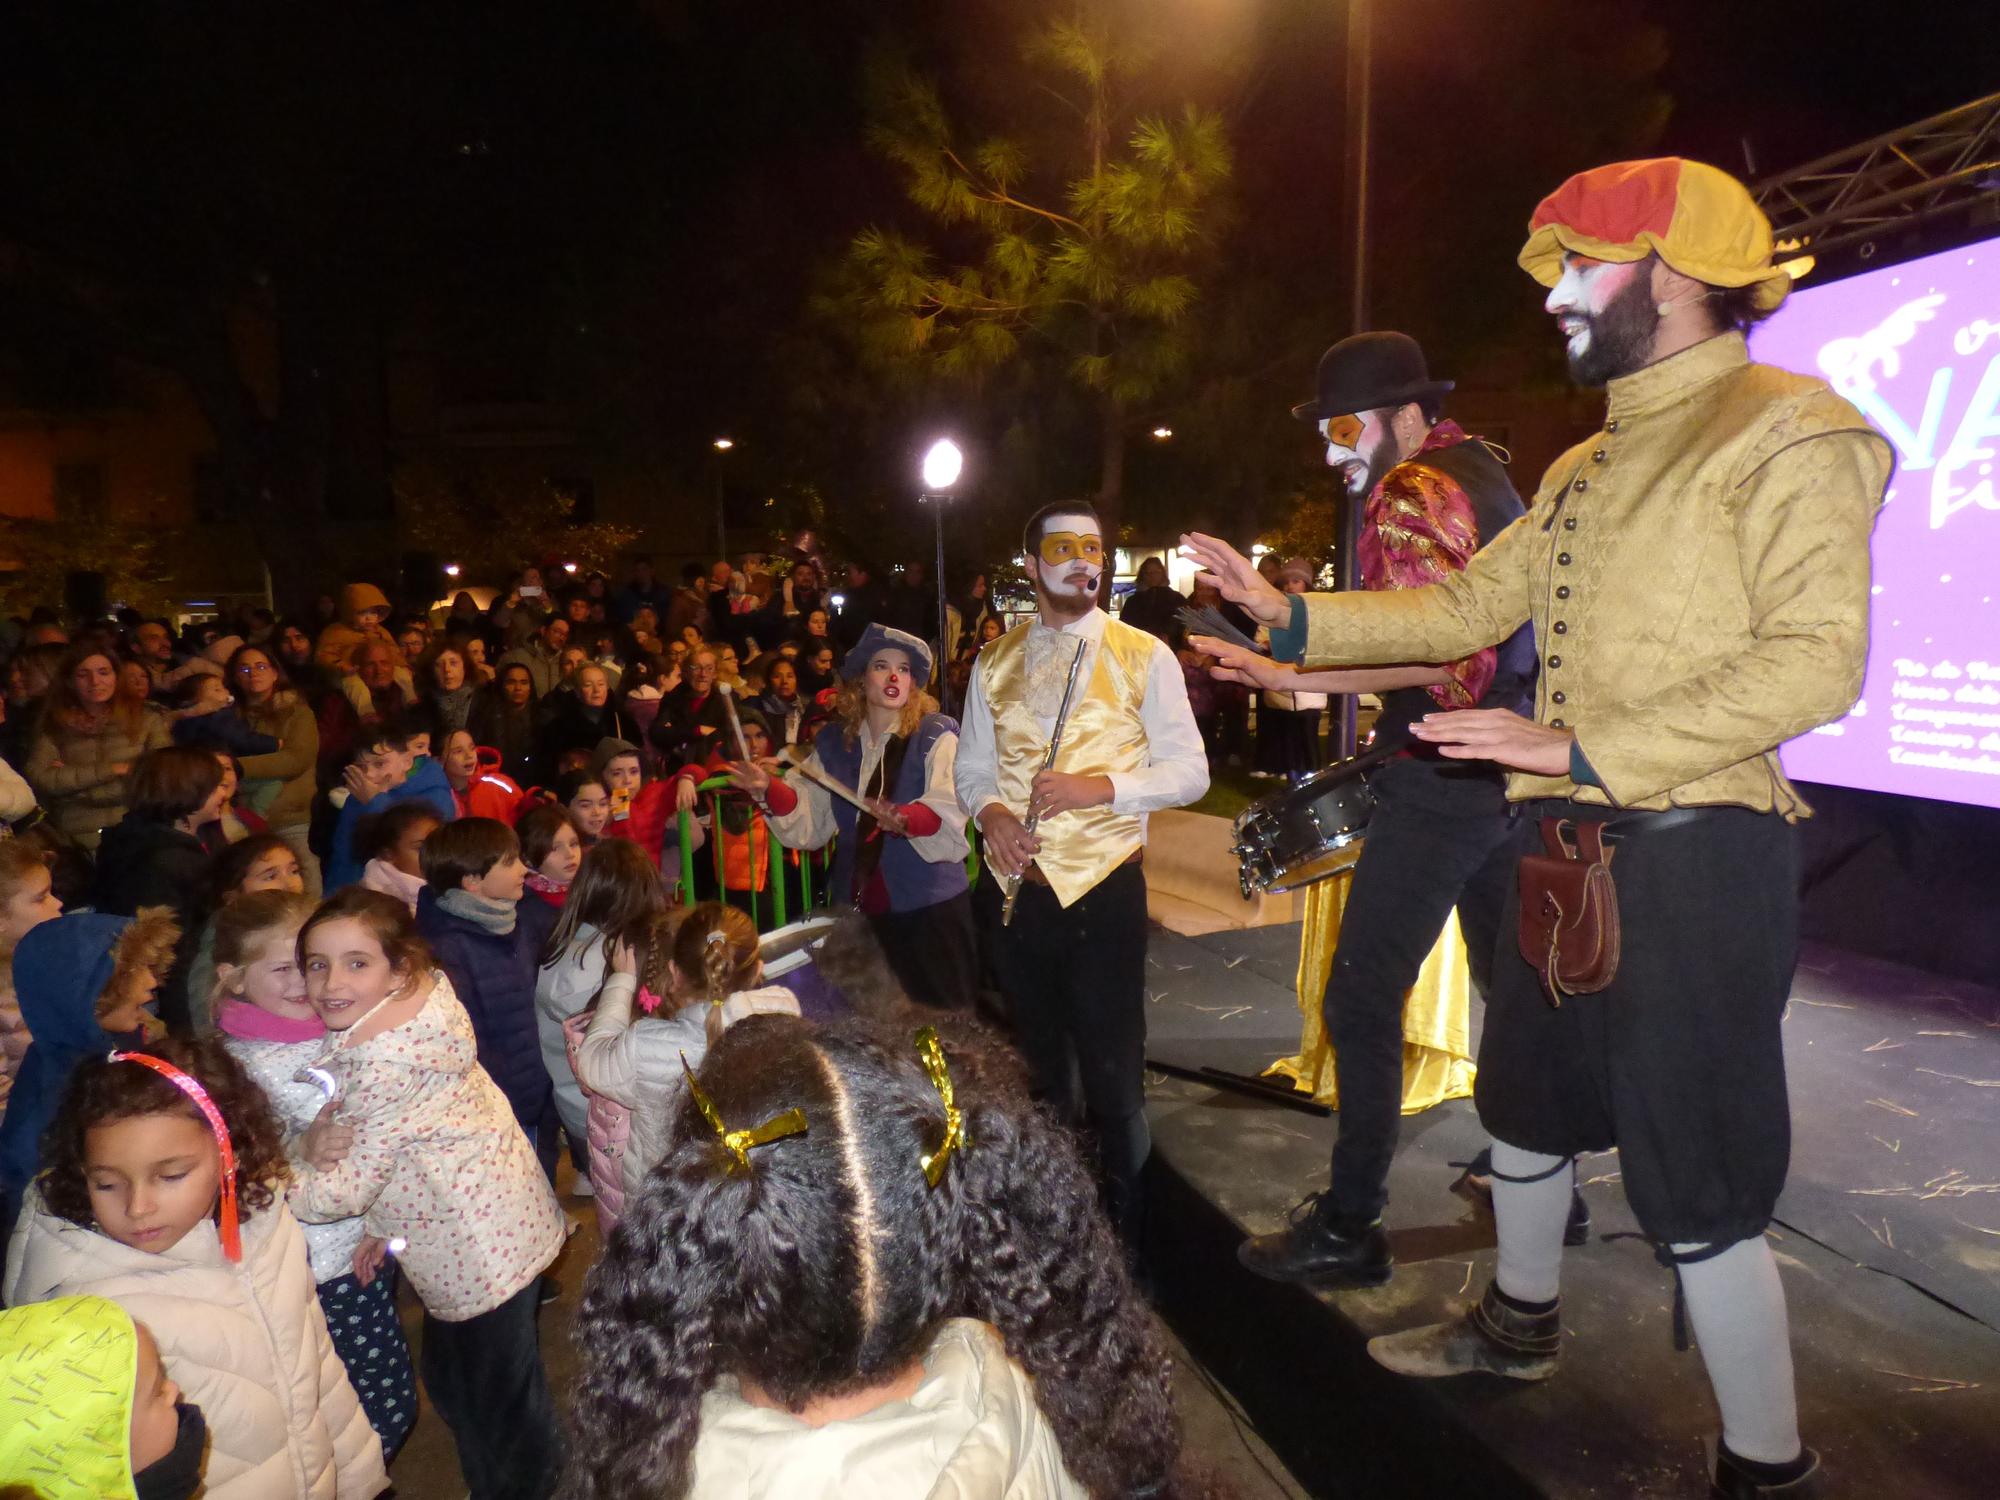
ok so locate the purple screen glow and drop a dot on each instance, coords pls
(1917, 347)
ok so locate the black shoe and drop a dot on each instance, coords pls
(1317, 1250)
(1491, 1339)
(1734, 1480)
(1475, 1183)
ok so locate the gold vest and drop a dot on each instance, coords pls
(1104, 734)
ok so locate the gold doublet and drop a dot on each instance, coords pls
(1104, 735)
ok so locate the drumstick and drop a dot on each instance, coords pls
(829, 784)
(735, 724)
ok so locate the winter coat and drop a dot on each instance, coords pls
(70, 1361)
(380, 875)
(71, 773)
(17, 798)
(439, 1160)
(451, 708)
(13, 1031)
(246, 1342)
(145, 863)
(607, 1132)
(223, 729)
(509, 734)
(971, 1428)
(274, 1067)
(494, 979)
(426, 782)
(289, 718)
(338, 642)
(571, 726)
(562, 989)
(637, 1063)
(490, 793)
(60, 968)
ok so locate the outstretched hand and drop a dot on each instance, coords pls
(1499, 735)
(1235, 664)
(1236, 578)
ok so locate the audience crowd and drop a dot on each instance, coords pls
(324, 938)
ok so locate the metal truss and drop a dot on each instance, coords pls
(1892, 183)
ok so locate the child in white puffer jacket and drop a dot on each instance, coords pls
(162, 1192)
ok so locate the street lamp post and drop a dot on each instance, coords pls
(722, 446)
(942, 466)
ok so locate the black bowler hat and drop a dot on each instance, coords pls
(1370, 370)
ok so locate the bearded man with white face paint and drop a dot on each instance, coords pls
(1697, 573)
(1073, 963)
(1432, 497)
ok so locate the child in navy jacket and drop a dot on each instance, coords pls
(489, 943)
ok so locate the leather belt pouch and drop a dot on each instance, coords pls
(1569, 910)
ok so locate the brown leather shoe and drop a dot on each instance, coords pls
(1492, 1339)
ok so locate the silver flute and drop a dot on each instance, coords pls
(1013, 886)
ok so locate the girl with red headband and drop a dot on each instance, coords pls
(162, 1190)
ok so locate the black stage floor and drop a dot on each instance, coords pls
(1888, 1239)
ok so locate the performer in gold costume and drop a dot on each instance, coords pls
(1073, 961)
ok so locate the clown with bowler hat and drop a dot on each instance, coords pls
(1432, 495)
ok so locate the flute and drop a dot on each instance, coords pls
(1013, 886)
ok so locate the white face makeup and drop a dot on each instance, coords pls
(1581, 295)
(1074, 581)
(1350, 442)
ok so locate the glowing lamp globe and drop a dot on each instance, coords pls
(942, 465)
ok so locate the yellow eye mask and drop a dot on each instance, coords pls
(1059, 547)
(1343, 432)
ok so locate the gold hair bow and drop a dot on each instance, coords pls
(932, 1056)
(738, 1142)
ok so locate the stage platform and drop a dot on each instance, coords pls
(1888, 1239)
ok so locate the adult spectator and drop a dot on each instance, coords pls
(973, 606)
(692, 713)
(154, 856)
(643, 590)
(448, 687)
(29, 677)
(270, 705)
(503, 719)
(541, 654)
(153, 649)
(581, 718)
(801, 594)
(1154, 604)
(320, 687)
(89, 737)
(373, 688)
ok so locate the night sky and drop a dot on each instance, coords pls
(626, 207)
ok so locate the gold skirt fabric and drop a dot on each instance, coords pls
(1437, 1056)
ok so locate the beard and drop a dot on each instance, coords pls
(1618, 337)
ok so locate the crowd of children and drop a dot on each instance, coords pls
(402, 914)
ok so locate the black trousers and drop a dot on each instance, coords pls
(486, 1379)
(1075, 980)
(1439, 838)
(1680, 1063)
(932, 951)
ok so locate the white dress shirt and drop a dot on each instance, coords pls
(1176, 769)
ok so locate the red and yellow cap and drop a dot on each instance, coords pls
(1696, 218)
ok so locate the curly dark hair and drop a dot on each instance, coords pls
(101, 1091)
(828, 1265)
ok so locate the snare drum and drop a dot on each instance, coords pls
(1309, 832)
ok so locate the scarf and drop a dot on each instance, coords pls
(546, 888)
(488, 915)
(239, 1018)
